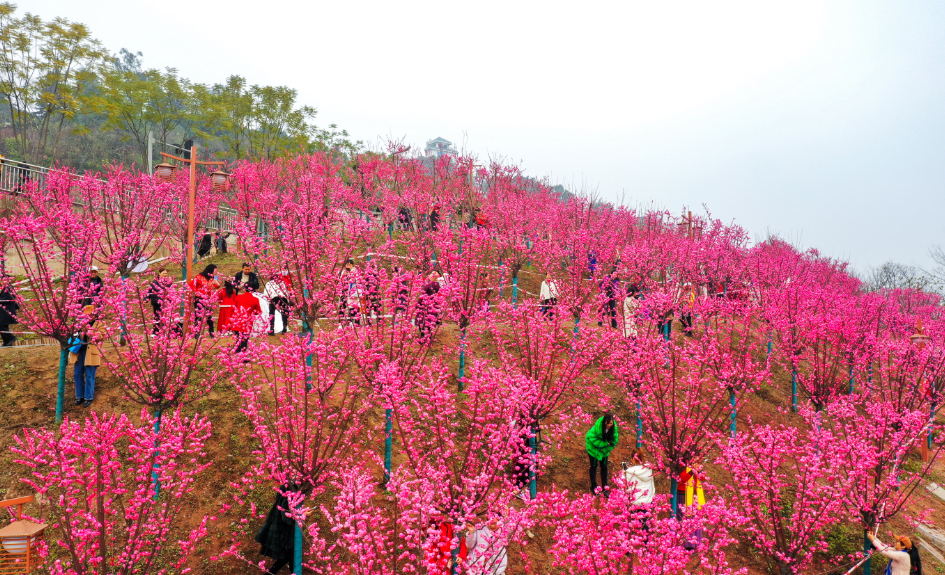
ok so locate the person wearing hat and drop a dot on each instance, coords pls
(93, 287)
(87, 359)
(899, 561)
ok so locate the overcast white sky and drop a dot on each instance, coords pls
(823, 122)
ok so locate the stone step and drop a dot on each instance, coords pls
(932, 551)
(936, 490)
(935, 536)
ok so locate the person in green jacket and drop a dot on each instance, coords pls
(600, 440)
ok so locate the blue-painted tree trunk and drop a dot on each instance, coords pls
(63, 361)
(794, 390)
(532, 480)
(931, 420)
(639, 427)
(851, 380)
(388, 442)
(297, 555)
(515, 292)
(183, 301)
(867, 547)
(462, 358)
(308, 358)
(731, 401)
(674, 502)
(157, 445)
(124, 312)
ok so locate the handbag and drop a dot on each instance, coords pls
(75, 344)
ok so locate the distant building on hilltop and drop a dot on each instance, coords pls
(439, 147)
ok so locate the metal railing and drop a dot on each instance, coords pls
(15, 177)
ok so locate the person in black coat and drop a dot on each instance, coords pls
(156, 292)
(206, 243)
(247, 280)
(8, 309)
(277, 535)
(221, 241)
(92, 288)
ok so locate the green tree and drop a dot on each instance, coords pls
(45, 69)
(135, 102)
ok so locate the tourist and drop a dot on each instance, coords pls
(87, 358)
(631, 310)
(547, 296)
(435, 218)
(221, 242)
(206, 243)
(687, 295)
(204, 285)
(401, 290)
(638, 477)
(277, 293)
(591, 262)
(689, 494)
(246, 309)
(277, 535)
(404, 219)
(428, 306)
(914, 559)
(226, 297)
(8, 309)
(157, 291)
(486, 554)
(610, 287)
(371, 280)
(899, 561)
(442, 540)
(93, 287)
(664, 324)
(246, 279)
(600, 440)
(349, 298)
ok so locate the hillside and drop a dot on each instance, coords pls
(28, 376)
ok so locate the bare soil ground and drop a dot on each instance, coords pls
(28, 385)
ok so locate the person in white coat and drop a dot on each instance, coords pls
(631, 310)
(277, 294)
(638, 477)
(547, 295)
(899, 563)
(487, 555)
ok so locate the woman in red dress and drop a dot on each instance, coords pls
(227, 299)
